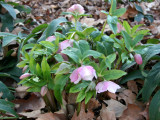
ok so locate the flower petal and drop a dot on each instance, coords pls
(75, 77)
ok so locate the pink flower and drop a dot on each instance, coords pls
(107, 85)
(25, 68)
(85, 73)
(24, 76)
(44, 91)
(51, 38)
(138, 59)
(65, 44)
(76, 8)
(119, 27)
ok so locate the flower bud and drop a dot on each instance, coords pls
(76, 8)
(24, 76)
(85, 73)
(119, 27)
(107, 85)
(24, 69)
(44, 91)
(51, 38)
(138, 59)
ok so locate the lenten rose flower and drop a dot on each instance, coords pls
(24, 76)
(51, 38)
(76, 8)
(83, 73)
(64, 44)
(107, 85)
(138, 59)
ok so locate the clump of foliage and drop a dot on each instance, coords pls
(72, 57)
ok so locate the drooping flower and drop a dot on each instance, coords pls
(83, 73)
(107, 85)
(64, 44)
(76, 8)
(51, 38)
(138, 59)
(24, 76)
(44, 90)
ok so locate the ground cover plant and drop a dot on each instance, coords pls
(67, 57)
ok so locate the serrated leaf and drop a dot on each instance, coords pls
(137, 39)
(39, 28)
(127, 27)
(138, 17)
(89, 95)
(113, 74)
(48, 45)
(63, 68)
(8, 39)
(138, 8)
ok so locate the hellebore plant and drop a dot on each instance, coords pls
(78, 59)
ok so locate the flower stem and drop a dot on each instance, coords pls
(104, 27)
(78, 108)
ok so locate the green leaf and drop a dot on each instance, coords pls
(39, 28)
(32, 65)
(48, 45)
(110, 59)
(59, 58)
(137, 39)
(138, 8)
(131, 76)
(73, 53)
(138, 17)
(127, 40)
(6, 92)
(7, 22)
(135, 28)
(93, 53)
(119, 12)
(45, 70)
(63, 68)
(88, 31)
(113, 6)
(152, 50)
(107, 13)
(8, 39)
(81, 95)
(150, 18)
(112, 21)
(78, 87)
(151, 82)
(7, 107)
(82, 45)
(127, 27)
(154, 112)
(89, 95)
(52, 27)
(60, 82)
(10, 9)
(38, 70)
(113, 74)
